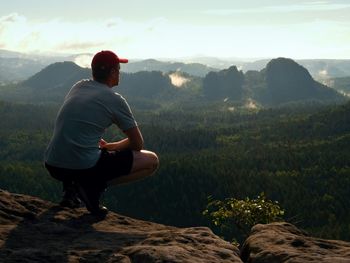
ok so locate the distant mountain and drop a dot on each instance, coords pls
(10, 54)
(16, 66)
(340, 84)
(194, 69)
(49, 85)
(146, 85)
(17, 69)
(56, 76)
(320, 69)
(283, 80)
(223, 85)
(218, 63)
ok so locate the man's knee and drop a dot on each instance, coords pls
(145, 160)
(153, 160)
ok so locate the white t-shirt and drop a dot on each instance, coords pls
(88, 109)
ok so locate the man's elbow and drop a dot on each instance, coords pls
(135, 139)
(137, 145)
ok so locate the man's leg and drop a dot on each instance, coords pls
(145, 163)
(90, 188)
(70, 198)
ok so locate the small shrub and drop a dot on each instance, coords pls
(242, 214)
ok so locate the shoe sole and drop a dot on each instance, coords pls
(67, 204)
(100, 212)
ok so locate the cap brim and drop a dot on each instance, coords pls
(123, 60)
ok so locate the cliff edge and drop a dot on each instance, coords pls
(34, 230)
(283, 242)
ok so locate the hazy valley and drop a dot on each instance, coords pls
(224, 132)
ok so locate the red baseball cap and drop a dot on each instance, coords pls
(106, 59)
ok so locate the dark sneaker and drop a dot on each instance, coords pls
(91, 197)
(70, 197)
(101, 212)
(70, 202)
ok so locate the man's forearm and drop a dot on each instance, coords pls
(117, 146)
(121, 145)
(133, 141)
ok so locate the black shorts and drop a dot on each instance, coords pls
(111, 165)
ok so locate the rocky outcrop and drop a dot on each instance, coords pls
(225, 84)
(283, 242)
(287, 81)
(34, 230)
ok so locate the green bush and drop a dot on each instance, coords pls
(242, 214)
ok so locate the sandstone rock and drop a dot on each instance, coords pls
(283, 242)
(34, 230)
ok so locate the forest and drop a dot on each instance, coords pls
(297, 154)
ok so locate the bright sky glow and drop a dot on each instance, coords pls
(177, 29)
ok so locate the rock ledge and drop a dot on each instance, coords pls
(34, 230)
(283, 242)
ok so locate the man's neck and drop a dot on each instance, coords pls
(107, 83)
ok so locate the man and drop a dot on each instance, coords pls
(78, 156)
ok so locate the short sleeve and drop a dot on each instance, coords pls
(121, 113)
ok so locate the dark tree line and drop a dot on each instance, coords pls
(299, 156)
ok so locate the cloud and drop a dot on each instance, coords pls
(305, 7)
(11, 18)
(162, 38)
(178, 80)
(79, 45)
(250, 104)
(83, 60)
(17, 33)
(114, 22)
(57, 35)
(13, 31)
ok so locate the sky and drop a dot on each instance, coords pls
(298, 29)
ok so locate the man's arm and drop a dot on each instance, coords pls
(134, 141)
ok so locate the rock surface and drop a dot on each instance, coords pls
(34, 230)
(283, 242)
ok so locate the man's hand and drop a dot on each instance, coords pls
(111, 146)
(103, 144)
(134, 141)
